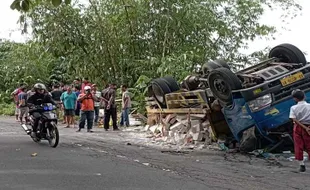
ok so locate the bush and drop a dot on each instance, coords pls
(7, 109)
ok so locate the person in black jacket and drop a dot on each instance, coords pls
(110, 109)
(39, 97)
(56, 94)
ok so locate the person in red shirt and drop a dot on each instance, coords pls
(87, 100)
(85, 83)
(15, 97)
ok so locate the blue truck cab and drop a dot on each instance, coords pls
(266, 106)
(263, 98)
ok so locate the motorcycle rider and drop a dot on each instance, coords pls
(39, 97)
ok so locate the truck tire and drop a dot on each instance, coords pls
(150, 92)
(172, 83)
(221, 82)
(288, 53)
(160, 89)
(222, 63)
(209, 66)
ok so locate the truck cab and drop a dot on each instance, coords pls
(259, 97)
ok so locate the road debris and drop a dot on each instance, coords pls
(121, 156)
(34, 154)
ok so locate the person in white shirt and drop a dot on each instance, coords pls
(300, 114)
(97, 103)
(126, 105)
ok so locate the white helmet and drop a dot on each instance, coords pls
(87, 88)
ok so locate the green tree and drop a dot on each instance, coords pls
(126, 40)
(26, 5)
(23, 63)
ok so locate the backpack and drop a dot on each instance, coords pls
(23, 96)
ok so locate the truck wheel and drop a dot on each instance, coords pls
(221, 82)
(172, 83)
(150, 92)
(209, 66)
(222, 63)
(160, 89)
(288, 53)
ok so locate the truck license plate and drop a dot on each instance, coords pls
(291, 79)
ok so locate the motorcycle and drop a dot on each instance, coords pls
(47, 125)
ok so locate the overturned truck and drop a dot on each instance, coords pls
(250, 106)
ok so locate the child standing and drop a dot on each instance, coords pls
(300, 114)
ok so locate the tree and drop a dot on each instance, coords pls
(28, 63)
(126, 40)
(137, 33)
(26, 5)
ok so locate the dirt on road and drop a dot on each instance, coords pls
(216, 169)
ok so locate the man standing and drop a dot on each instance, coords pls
(15, 98)
(87, 109)
(97, 103)
(77, 82)
(22, 104)
(56, 94)
(110, 108)
(85, 83)
(77, 92)
(126, 105)
(69, 99)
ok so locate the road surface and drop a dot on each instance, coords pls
(85, 161)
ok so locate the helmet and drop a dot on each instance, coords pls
(87, 88)
(39, 86)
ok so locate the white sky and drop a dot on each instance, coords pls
(297, 33)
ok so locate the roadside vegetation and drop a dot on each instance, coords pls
(130, 41)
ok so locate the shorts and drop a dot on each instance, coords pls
(69, 112)
(23, 112)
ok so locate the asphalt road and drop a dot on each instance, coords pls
(85, 161)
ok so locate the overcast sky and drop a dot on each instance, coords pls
(296, 35)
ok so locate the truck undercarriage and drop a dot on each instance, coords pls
(258, 96)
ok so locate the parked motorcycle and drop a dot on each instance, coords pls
(47, 126)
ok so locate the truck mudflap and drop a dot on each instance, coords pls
(237, 117)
